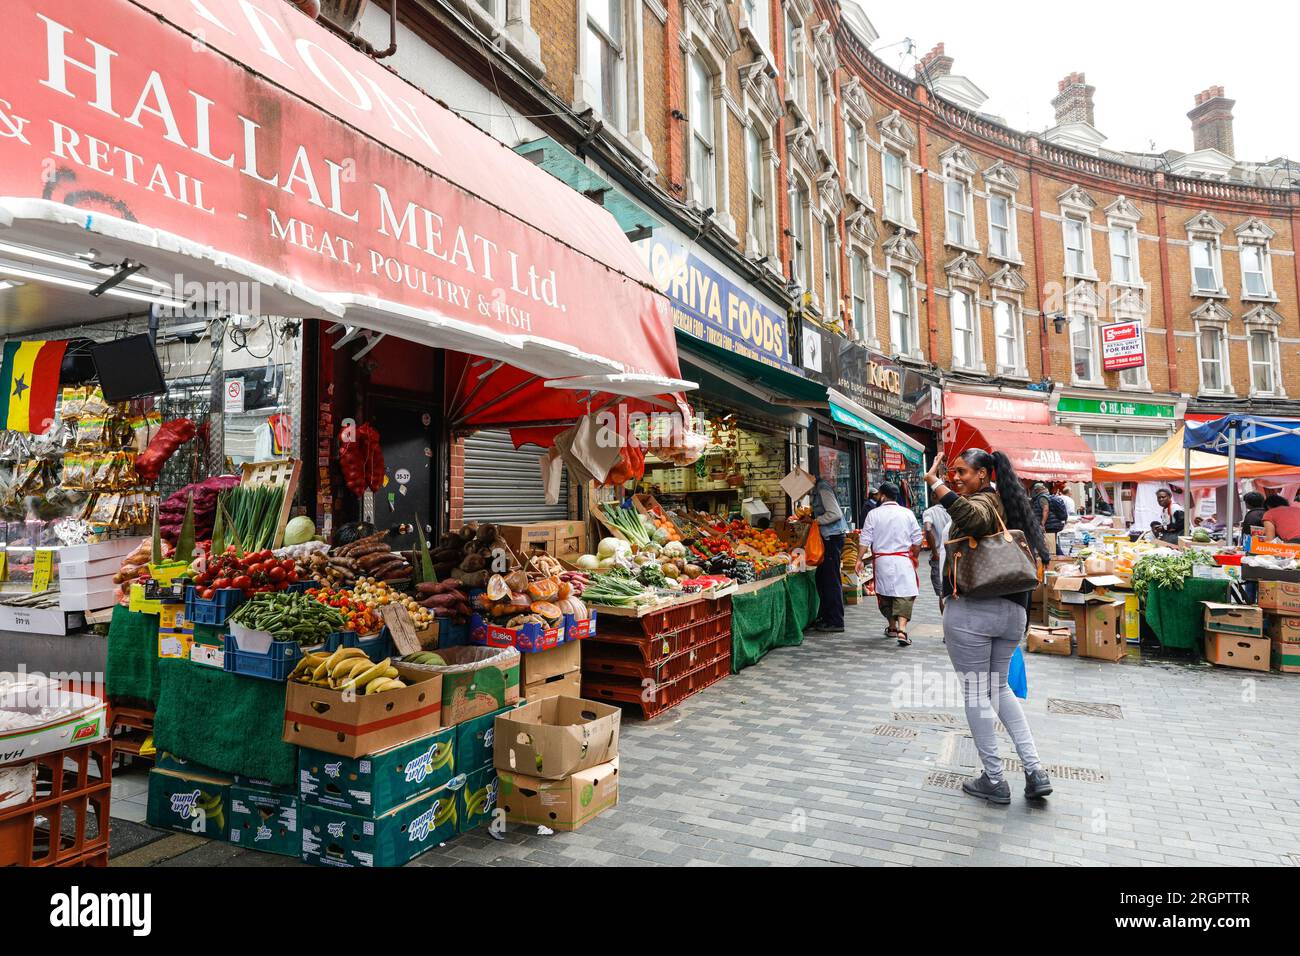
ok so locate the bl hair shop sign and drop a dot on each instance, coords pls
(709, 306)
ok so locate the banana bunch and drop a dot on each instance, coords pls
(425, 657)
(348, 668)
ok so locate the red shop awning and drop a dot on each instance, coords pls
(245, 136)
(1038, 451)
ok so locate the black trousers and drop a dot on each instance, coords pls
(829, 587)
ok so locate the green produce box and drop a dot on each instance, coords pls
(370, 786)
(189, 802)
(474, 740)
(333, 838)
(477, 681)
(477, 799)
(265, 819)
(166, 760)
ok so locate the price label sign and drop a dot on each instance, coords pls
(401, 628)
(4, 565)
(42, 571)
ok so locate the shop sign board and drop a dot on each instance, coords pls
(248, 128)
(1114, 408)
(711, 306)
(876, 382)
(1123, 346)
(893, 460)
(996, 408)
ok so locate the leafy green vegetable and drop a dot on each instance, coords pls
(1167, 570)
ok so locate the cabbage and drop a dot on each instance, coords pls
(588, 562)
(609, 547)
(299, 530)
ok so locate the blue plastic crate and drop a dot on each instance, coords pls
(301, 587)
(376, 648)
(451, 633)
(216, 611)
(276, 664)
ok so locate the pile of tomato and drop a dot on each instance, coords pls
(252, 573)
(357, 615)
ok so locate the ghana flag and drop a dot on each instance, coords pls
(29, 384)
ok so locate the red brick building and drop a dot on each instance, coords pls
(890, 209)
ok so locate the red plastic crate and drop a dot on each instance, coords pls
(615, 661)
(67, 823)
(655, 698)
(652, 649)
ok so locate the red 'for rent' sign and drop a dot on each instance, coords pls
(1122, 346)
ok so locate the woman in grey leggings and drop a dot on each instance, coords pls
(982, 633)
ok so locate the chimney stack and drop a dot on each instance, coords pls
(1212, 121)
(934, 64)
(1073, 100)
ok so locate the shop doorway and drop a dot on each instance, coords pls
(409, 438)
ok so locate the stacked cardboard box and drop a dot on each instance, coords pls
(1234, 636)
(551, 672)
(380, 809)
(1087, 608)
(1280, 601)
(560, 539)
(557, 761)
(86, 573)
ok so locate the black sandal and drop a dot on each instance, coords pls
(903, 639)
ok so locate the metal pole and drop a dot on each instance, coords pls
(1232, 480)
(1187, 489)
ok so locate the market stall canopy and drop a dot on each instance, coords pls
(848, 412)
(1258, 439)
(1166, 464)
(1038, 450)
(200, 139)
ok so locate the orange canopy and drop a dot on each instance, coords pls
(1166, 464)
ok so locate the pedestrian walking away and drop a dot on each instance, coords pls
(936, 522)
(893, 536)
(983, 494)
(830, 589)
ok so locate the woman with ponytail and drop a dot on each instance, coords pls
(982, 493)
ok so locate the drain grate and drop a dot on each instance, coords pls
(1084, 708)
(1059, 771)
(893, 730)
(925, 717)
(945, 780)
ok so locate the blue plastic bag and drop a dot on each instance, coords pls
(1017, 680)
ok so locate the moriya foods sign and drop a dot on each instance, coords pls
(245, 126)
(1122, 346)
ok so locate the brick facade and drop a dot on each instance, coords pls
(1040, 173)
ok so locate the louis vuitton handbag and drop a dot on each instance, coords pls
(993, 566)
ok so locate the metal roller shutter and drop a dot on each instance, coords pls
(504, 484)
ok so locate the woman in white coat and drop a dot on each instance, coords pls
(893, 536)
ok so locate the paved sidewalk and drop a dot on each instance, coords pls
(847, 750)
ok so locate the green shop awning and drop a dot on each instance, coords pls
(771, 384)
(847, 412)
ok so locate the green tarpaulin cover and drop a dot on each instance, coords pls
(224, 721)
(1177, 616)
(774, 616)
(132, 669)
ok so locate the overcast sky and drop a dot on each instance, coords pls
(1147, 61)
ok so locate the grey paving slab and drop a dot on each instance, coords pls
(781, 765)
